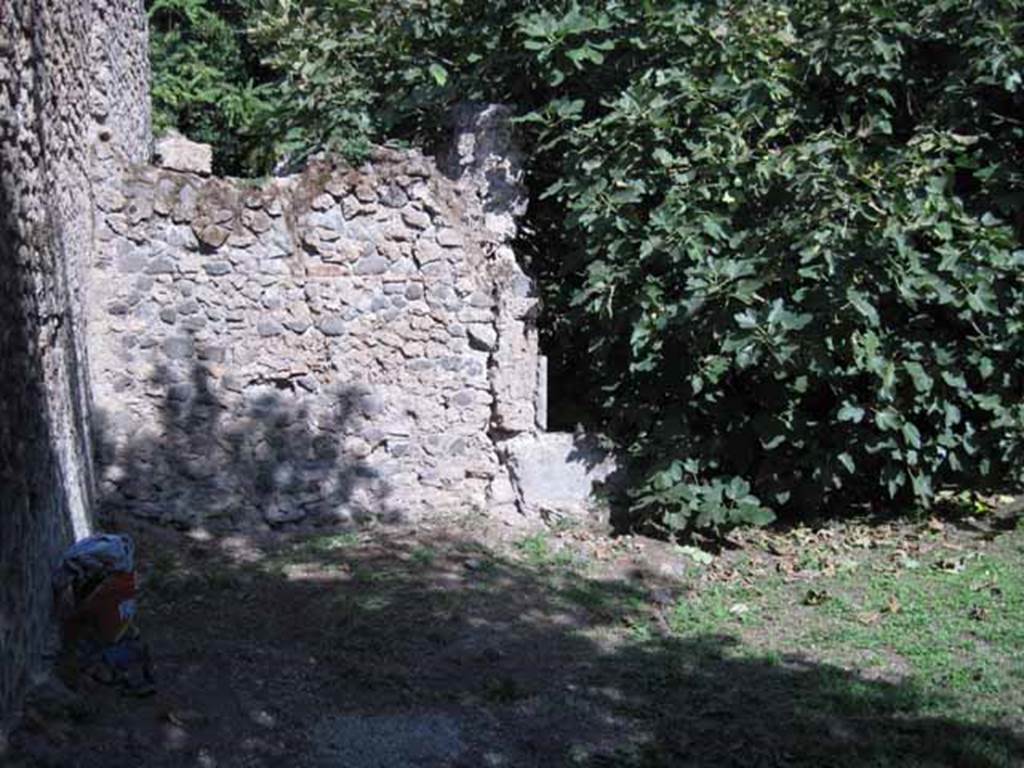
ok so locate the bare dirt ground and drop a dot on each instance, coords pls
(445, 647)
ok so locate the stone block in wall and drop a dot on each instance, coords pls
(177, 153)
(514, 377)
(557, 472)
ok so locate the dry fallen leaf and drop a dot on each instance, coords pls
(776, 548)
(183, 718)
(869, 618)
(786, 567)
(903, 560)
(815, 597)
(951, 565)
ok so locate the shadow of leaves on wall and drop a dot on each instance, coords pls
(224, 458)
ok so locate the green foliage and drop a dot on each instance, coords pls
(783, 238)
(207, 79)
(269, 82)
(799, 280)
(353, 72)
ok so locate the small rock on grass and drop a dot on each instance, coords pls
(263, 718)
(185, 718)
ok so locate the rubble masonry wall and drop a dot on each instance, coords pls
(335, 346)
(73, 85)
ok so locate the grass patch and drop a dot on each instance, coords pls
(861, 646)
(941, 630)
(539, 552)
(324, 544)
(960, 633)
(423, 556)
(720, 608)
(315, 549)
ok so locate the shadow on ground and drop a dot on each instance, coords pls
(423, 648)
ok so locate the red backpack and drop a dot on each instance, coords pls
(94, 590)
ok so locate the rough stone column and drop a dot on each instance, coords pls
(484, 158)
(486, 161)
(543, 473)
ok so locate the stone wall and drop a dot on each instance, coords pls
(53, 113)
(335, 346)
(341, 345)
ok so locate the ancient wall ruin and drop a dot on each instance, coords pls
(73, 88)
(341, 345)
(335, 346)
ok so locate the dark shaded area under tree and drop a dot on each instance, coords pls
(258, 643)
